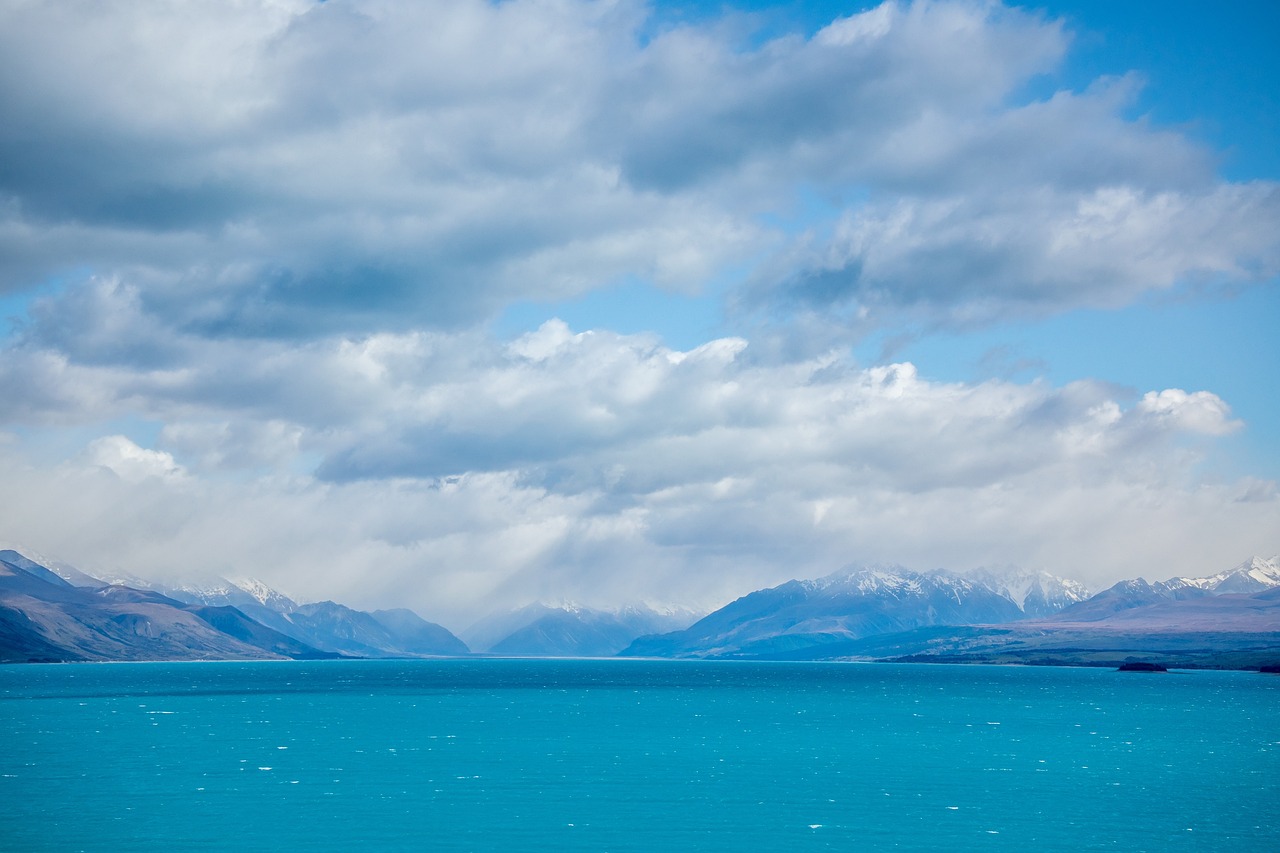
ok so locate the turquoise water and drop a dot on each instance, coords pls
(634, 755)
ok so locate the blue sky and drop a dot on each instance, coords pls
(462, 305)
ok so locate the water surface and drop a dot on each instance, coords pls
(634, 755)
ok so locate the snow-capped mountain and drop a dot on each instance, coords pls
(1253, 575)
(247, 592)
(848, 604)
(45, 617)
(327, 625)
(324, 626)
(1037, 593)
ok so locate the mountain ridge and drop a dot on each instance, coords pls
(812, 618)
(43, 616)
(69, 615)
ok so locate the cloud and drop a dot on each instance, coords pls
(120, 456)
(972, 260)
(298, 169)
(456, 473)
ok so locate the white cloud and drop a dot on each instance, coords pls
(457, 473)
(131, 463)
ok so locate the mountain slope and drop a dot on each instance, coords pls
(1179, 622)
(1253, 575)
(416, 635)
(849, 604)
(327, 625)
(48, 619)
(1037, 593)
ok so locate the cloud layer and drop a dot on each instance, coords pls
(297, 168)
(457, 472)
(262, 240)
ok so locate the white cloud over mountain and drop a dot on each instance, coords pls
(274, 233)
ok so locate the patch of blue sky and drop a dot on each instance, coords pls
(15, 306)
(14, 309)
(1210, 71)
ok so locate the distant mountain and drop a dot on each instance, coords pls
(70, 574)
(1037, 593)
(43, 617)
(1253, 575)
(327, 625)
(1186, 613)
(416, 635)
(1232, 630)
(340, 628)
(18, 561)
(846, 605)
(1179, 622)
(542, 630)
(1127, 595)
(51, 611)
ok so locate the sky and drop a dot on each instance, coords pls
(461, 305)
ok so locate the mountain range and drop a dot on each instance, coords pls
(327, 625)
(859, 602)
(894, 614)
(45, 616)
(51, 611)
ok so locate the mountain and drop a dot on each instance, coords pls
(1037, 593)
(846, 605)
(1182, 622)
(1253, 575)
(1232, 631)
(43, 617)
(18, 561)
(1127, 595)
(70, 574)
(418, 636)
(340, 628)
(1183, 613)
(251, 598)
(541, 630)
(327, 625)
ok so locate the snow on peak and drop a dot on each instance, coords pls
(1032, 590)
(264, 594)
(891, 580)
(1253, 575)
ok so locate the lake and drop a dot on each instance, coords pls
(633, 755)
